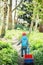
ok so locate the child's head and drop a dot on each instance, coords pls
(23, 34)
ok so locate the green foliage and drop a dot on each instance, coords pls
(36, 40)
(8, 56)
(38, 56)
(4, 45)
(9, 34)
(25, 11)
(36, 47)
(31, 9)
(21, 27)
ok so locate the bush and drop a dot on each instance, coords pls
(8, 56)
(36, 46)
(4, 45)
(36, 40)
(38, 56)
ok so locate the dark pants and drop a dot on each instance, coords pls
(29, 63)
(23, 49)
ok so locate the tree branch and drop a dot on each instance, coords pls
(17, 5)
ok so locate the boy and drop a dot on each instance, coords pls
(24, 44)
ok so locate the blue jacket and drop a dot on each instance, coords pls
(24, 41)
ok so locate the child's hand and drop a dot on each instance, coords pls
(17, 44)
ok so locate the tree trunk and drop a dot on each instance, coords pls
(9, 14)
(41, 28)
(37, 21)
(4, 19)
(36, 26)
(15, 15)
(31, 27)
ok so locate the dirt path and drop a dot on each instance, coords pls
(15, 41)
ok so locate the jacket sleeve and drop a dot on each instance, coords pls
(19, 42)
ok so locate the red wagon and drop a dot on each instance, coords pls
(28, 59)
